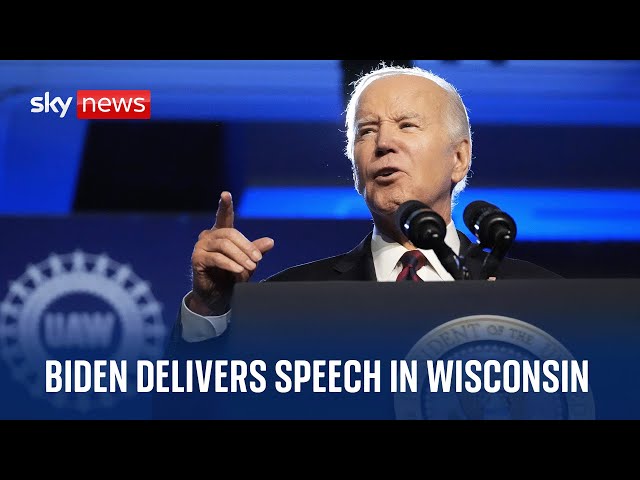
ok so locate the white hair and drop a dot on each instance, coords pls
(457, 115)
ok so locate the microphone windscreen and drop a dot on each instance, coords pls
(474, 210)
(406, 209)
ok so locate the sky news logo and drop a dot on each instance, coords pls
(98, 104)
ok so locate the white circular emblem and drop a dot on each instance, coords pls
(482, 338)
(77, 306)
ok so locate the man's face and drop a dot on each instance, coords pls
(403, 149)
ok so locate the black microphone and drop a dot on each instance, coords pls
(494, 229)
(426, 229)
(490, 225)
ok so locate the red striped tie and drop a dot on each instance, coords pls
(412, 261)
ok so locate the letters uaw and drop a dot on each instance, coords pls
(323, 376)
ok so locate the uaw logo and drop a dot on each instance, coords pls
(78, 306)
(483, 340)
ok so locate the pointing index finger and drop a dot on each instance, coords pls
(224, 215)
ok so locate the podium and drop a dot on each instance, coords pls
(342, 341)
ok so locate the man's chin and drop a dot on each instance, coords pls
(386, 207)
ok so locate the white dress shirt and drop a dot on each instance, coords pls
(386, 259)
(387, 252)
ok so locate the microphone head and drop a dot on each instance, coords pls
(474, 211)
(405, 210)
(422, 226)
(489, 224)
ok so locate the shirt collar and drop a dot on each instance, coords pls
(387, 252)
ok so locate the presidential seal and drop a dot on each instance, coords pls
(77, 306)
(485, 367)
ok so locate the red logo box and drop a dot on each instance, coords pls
(113, 104)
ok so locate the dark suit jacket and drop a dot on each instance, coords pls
(357, 264)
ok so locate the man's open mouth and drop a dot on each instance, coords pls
(386, 172)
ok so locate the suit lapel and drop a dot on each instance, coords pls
(357, 264)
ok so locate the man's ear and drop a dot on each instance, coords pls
(462, 160)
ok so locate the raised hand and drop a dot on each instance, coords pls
(221, 257)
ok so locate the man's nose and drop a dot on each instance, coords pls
(386, 140)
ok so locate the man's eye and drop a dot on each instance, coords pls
(365, 131)
(407, 125)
